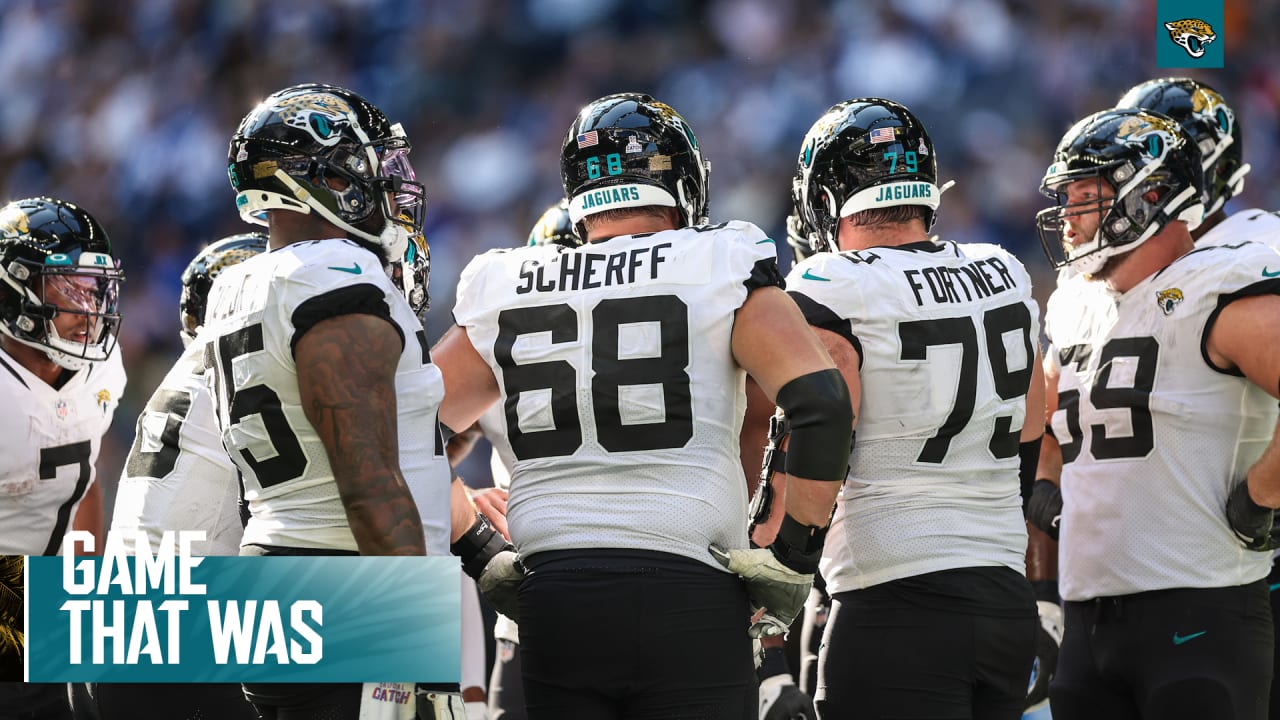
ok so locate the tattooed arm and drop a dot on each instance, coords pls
(346, 376)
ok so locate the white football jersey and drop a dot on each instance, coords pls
(257, 310)
(1253, 224)
(178, 476)
(946, 334)
(49, 458)
(622, 398)
(1153, 438)
(493, 423)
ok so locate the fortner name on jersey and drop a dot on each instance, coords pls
(623, 401)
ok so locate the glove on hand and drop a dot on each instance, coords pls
(780, 699)
(1044, 509)
(500, 583)
(1253, 524)
(773, 587)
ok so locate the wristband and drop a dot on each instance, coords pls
(798, 546)
(478, 545)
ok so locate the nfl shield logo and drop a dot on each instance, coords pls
(61, 408)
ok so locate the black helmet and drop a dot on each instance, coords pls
(629, 150)
(56, 259)
(554, 227)
(1210, 122)
(1135, 152)
(292, 144)
(198, 277)
(863, 154)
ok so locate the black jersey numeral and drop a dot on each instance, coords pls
(610, 374)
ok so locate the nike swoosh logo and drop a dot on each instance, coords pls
(1180, 639)
(354, 269)
(766, 240)
(1269, 274)
(1274, 587)
(810, 276)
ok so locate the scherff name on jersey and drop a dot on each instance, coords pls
(584, 270)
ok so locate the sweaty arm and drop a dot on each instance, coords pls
(346, 368)
(1246, 338)
(774, 344)
(470, 387)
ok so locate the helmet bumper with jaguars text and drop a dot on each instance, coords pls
(629, 150)
(1210, 122)
(56, 261)
(326, 150)
(555, 227)
(198, 277)
(862, 154)
(1130, 154)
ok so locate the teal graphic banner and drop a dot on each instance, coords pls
(1189, 34)
(172, 618)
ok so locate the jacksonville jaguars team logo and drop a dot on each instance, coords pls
(1169, 299)
(14, 223)
(323, 115)
(1192, 35)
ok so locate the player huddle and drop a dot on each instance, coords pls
(927, 458)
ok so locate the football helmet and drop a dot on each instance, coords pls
(1210, 122)
(629, 150)
(198, 276)
(1133, 153)
(324, 149)
(863, 154)
(554, 227)
(55, 259)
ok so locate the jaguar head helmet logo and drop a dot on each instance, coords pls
(1193, 35)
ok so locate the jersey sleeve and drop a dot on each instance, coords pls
(470, 295)
(326, 287)
(1249, 269)
(754, 254)
(828, 303)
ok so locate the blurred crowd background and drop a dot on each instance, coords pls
(126, 107)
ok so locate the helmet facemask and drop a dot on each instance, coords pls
(1135, 197)
(52, 294)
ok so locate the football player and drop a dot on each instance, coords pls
(59, 315)
(619, 367)
(938, 341)
(178, 477)
(1161, 383)
(506, 694)
(330, 413)
(177, 474)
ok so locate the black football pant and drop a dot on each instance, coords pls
(884, 657)
(608, 634)
(1187, 653)
(172, 701)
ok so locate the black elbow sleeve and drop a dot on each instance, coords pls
(821, 418)
(1028, 460)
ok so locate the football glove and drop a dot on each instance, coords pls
(780, 699)
(773, 587)
(500, 583)
(1048, 640)
(1044, 509)
(1253, 524)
